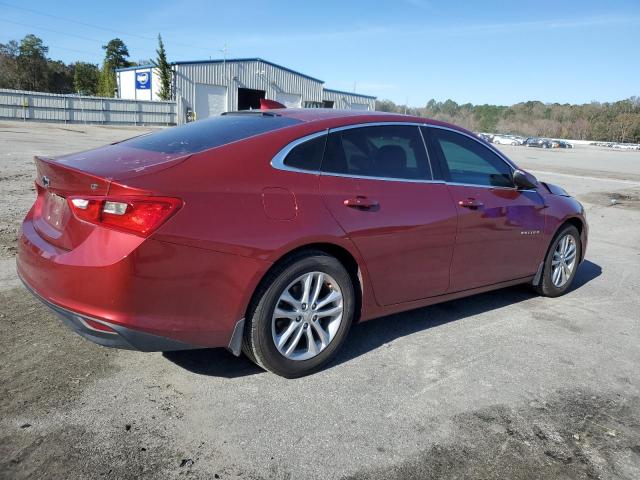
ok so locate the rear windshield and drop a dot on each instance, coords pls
(209, 133)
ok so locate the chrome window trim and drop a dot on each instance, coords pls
(492, 187)
(385, 179)
(374, 124)
(278, 160)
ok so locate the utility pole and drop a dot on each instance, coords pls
(224, 50)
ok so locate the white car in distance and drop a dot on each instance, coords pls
(506, 140)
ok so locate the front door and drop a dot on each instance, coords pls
(377, 183)
(500, 228)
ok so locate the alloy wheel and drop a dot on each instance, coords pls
(563, 261)
(307, 316)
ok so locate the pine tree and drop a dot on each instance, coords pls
(164, 71)
(115, 56)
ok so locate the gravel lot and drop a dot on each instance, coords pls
(500, 385)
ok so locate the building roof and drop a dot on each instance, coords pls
(341, 92)
(236, 60)
(135, 67)
(256, 59)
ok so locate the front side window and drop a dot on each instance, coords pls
(385, 151)
(468, 161)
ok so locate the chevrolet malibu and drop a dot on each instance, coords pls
(272, 232)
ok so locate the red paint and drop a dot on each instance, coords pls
(490, 246)
(192, 279)
(266, 104)
(407, 240)
(279, 203)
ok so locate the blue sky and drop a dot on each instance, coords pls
(404, 50)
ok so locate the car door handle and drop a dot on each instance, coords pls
(361, 203)
(471, 203)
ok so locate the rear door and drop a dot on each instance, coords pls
(499, 227)
(378, 184)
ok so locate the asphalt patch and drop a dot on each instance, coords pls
(574, 435)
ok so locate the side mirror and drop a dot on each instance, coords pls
(524, 180)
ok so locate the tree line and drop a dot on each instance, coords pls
(608, 122)
(25, 65)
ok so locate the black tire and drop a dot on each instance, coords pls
(258, 344)
(546, 287)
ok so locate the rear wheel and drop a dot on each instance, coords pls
(301, 315)
(561, 263)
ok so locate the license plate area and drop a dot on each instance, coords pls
(55, 211)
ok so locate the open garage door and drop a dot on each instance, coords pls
(211, 100)
(289, 100)
(249, 99)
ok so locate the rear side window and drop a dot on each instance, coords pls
(209, 133)
(468, 161)
(307, 155)
(387, 151)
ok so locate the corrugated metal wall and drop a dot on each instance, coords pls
(246, 74)
(345, 100)
(51, 107)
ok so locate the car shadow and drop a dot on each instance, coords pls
(367, 336)
(214, 362)
(370, 335)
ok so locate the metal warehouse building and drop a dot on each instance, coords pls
(209, 87)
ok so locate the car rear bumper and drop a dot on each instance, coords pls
(154, 295)
(119, 337)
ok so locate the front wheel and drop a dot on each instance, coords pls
(561, 263)
(301, 315)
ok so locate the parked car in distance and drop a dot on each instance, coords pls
(487, 137)
(505, 140)
(537, 142)
(564, 144)
(271, 232)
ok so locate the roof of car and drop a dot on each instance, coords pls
(352, 116)
(314, 114)
(338, 117)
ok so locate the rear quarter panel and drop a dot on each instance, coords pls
(225, 191)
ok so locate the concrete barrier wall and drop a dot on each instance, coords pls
(52, 107)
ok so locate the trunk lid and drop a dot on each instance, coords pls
(52, 217)
(120, 162)
(88, 174)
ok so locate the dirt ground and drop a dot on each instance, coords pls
(503, 385)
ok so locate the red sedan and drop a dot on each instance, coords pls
(271, 232)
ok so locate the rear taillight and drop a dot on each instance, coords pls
(139, 215)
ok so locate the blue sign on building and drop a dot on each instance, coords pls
(143, 80)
